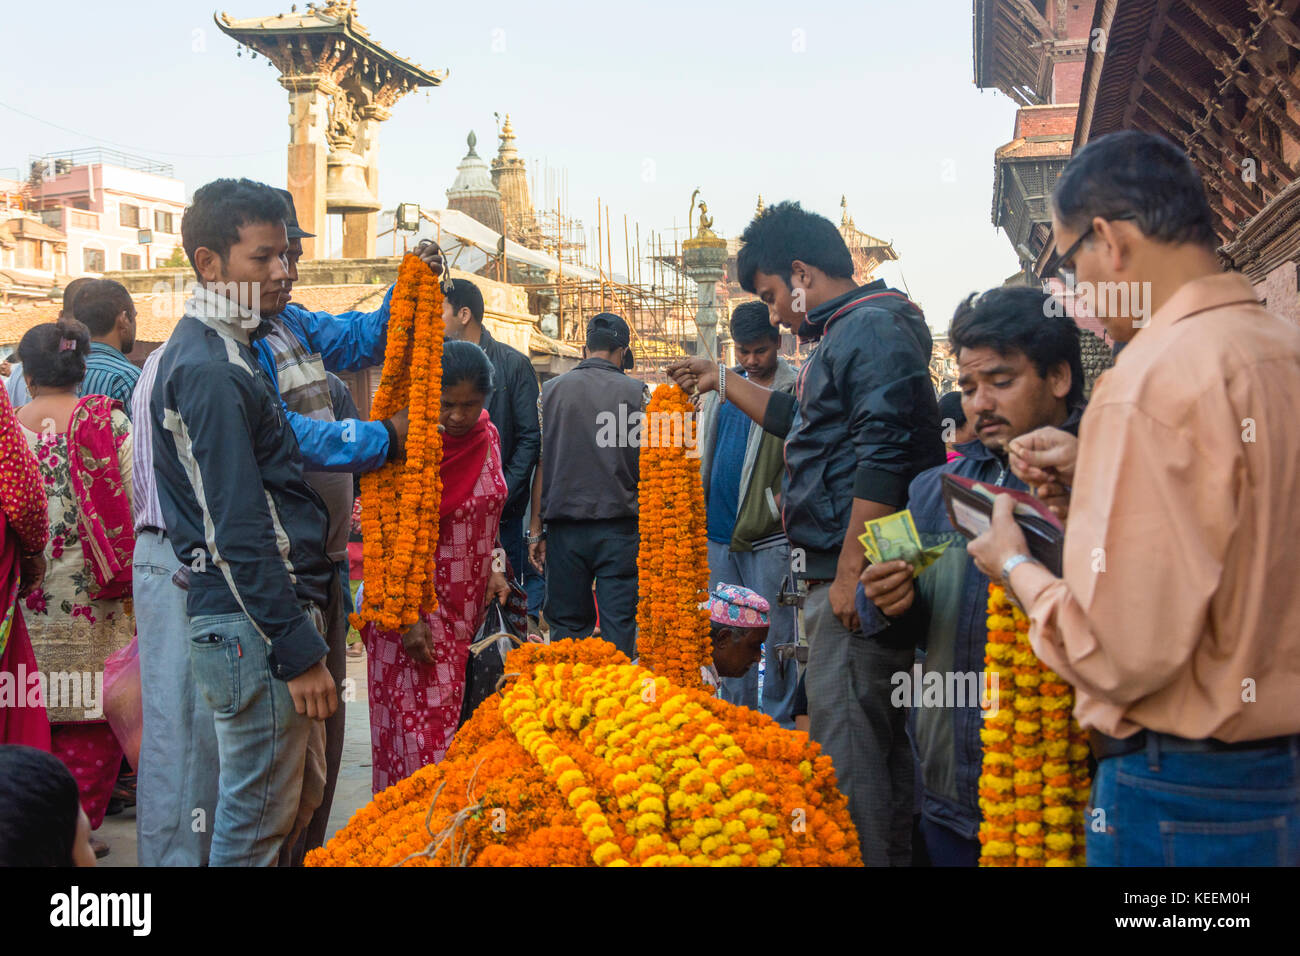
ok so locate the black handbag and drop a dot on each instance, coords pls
(486, 664)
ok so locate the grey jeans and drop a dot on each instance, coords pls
(176, 787)
(850, 715)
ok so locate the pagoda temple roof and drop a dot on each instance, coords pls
(263, 34)
(859, 241)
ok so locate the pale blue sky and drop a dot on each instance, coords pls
(872, 99)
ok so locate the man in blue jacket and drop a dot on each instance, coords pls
(1018, 370)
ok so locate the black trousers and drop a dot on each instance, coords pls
(578, 553)
(336, 661)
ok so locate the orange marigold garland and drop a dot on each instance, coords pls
(400, 501)
(585, 758)
(673, 560)
(1034, 781)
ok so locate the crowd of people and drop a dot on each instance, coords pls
(203, 504)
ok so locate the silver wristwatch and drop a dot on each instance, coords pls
(1014, 562)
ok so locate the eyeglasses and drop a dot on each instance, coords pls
(1064, 264)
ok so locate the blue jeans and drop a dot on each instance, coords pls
(1230, 808)
(178, 745)
(761, 572)
(261, 740)
(945, 847)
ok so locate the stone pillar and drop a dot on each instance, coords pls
(706, 314)
(704, 257)
(309, 97)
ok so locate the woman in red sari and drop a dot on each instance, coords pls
(417, 680)
(79, 615)
(24, 531)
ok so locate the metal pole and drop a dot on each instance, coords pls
(600, 256)
(559, 272)
(609, 257)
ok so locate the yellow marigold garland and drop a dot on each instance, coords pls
(400, 501)
(585, 759)
(1034, 781)
(673, 560)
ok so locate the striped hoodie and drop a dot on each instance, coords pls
(237, 508)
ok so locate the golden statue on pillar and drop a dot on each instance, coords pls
(705, 230)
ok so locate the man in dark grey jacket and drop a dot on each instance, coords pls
(863, 422)
(587, 493)
(1019, 369)
(243, 520)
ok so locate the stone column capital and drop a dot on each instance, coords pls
(310, 83)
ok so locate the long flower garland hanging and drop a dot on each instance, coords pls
(400, 501)
(673, 561)
(1034, 781)
(585, 758)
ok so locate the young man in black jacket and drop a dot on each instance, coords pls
(244, 521)
(862, 424)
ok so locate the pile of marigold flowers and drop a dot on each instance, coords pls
(673, 560)
(586, 759)
(1034, 781)
(400, 501)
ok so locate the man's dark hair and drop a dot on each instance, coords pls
(100, 303)
(70, 292)
(38, 808)
(466, 295)
(45, 359)
(220, 208)
(950, 407)
(1140, 176)
(1020, 319)
(785, 232)
(751, 322)
(466, 362)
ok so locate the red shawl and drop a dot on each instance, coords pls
(104, 520)
(462, 463)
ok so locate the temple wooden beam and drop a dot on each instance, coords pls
(1280, 18)
(1246, 48)
(1253, 146)
(1232, 77)
(1154, 33)
(1238, 127)
(1169, 122)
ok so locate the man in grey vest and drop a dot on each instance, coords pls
(587, 492)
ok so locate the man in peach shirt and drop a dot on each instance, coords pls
(1178, 619)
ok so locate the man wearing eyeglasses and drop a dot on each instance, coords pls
(1176, 620)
